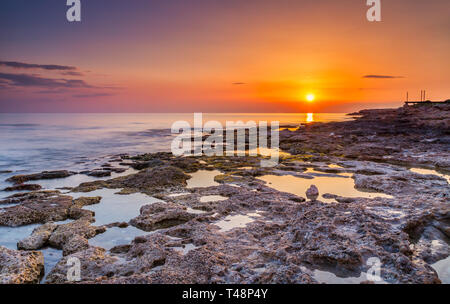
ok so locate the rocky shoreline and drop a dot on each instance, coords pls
(278, 237)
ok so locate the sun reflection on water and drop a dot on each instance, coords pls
(310, 117)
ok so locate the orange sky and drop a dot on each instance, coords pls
(230, 56)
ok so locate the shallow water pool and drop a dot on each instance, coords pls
(116, 207)
(432, 172)
(236, 221)
(203, 178)
(339, 185)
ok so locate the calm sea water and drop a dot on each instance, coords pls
(36, 142)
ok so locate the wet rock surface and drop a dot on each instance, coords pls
(69, 237)
(23, 187)
(42, 207)
(20, 179)
(39, 238)
(72, 237)
(35, 207)
(150, 181)
(161, 215)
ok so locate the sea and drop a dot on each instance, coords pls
(36, 142)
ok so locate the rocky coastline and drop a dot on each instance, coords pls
(279, 236)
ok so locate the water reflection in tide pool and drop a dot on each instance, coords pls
(341, 186)
(443, 270)
(185, 249)
(179, 194)
(203, 178)
(430, 172)
(236, 221)
(9, 236)
(331, 278)
(116, 207)
(51, 258)
(116, 236)
(212, 198)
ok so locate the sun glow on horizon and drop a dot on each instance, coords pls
(310, 97)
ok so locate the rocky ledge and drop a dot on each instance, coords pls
(408, 136)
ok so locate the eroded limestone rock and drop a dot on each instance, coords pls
(20, 267)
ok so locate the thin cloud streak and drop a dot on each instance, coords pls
(29, 80)
(48, 67)
(382, 76)
(92, 95)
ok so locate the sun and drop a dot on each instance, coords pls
(310, 97)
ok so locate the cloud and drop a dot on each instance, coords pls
(48, 67)
(72, 73)
(30, 80)
(52, 91)
(238, 83)
(92, 95)
(382, 76)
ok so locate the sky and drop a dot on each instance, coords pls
(221, 55)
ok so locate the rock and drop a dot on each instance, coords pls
(74, 235)
(160, 216)
(86, 201)
(35, 207)
(97, 173)
(20, 267)
(312, 193)
(346, 200)
(147, 164)
(297, 199)
(189, 165)
(116, 170)
(20, 179)
(120, 249)
(76, 212)
(90, 186)
(75, 244)
(118, 225)
(152, 179)
(44, 206)
(38, 239)
(330, 196)
(94, 263)
(23, 187)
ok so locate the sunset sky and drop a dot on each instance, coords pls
(221, 55)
